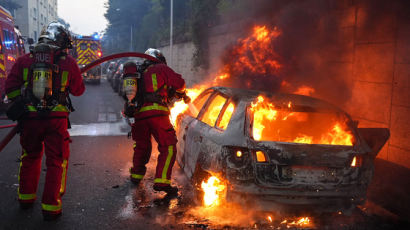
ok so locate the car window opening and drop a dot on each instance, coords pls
(283, 124)
(198, 104)
(212, 111)
(226, 116)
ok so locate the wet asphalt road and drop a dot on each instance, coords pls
(100, 196)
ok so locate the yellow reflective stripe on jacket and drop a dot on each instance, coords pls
(137, 176)
(162, 181)
(52, 208)
(154, 107)
(25, 76)
(166, 166)
(63, 177)
(26, 196)
(154, 82)
(60, 108)
(64, 80)
(57, 108)
(14, 94)
(31, 108)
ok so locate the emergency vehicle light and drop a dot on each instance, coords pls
(96, 36)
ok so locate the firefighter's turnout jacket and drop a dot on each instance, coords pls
(47, 131)
(153, 119)
(158, 79)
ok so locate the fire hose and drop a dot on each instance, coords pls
(13, 132)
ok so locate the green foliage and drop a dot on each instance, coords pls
(150, 23)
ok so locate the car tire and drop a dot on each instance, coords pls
(197, 178)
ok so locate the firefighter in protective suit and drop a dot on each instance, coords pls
(157, 85)
(40, 82)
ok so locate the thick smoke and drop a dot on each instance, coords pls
(316, 45)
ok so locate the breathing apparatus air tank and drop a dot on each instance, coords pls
(43, 71)
(130, 86)
(130, 76)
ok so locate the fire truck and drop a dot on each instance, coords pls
(86, 50)
(11, 47)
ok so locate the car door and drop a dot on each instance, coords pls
(184, 130)
(199, 130)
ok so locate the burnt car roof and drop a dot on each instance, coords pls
(305, 103)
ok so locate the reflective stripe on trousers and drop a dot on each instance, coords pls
(52, 208)
(164, 179)
(24, 197)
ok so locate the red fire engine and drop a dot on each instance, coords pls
(11, 46)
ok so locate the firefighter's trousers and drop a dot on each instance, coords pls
(161, 129)
(53, 135)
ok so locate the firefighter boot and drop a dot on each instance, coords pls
(135, 181)
(170, 190)
(50, 216)
(26, 205)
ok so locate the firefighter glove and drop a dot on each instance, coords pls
(129, 110)
(187, 99)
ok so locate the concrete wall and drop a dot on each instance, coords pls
(376, 65)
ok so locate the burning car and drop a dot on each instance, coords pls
(278, 151)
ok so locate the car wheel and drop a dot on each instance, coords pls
(197, 178)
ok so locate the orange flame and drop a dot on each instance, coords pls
(305, 90)
(300, 222)
(180, 107)
(262, 111)
(214, 190)
(251, 54)
(304, 139)
(265, 112)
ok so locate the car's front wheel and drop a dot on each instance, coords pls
(198, 177)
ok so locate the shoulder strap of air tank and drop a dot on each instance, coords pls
(25, 77)
(64, 80)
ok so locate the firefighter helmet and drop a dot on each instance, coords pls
(130, 68)
(156, 53)
(56, 34)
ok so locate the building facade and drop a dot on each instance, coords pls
(34, 15)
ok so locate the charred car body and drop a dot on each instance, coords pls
(287, 152)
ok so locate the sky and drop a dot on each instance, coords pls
(84, 16)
